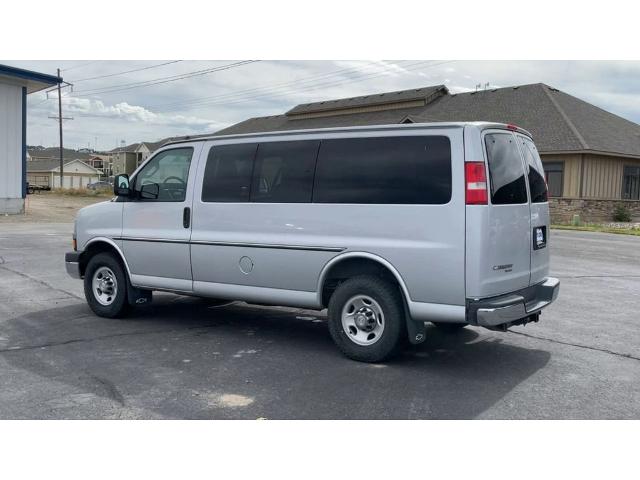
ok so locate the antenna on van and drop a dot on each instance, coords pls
(478, 86)
(486, 85)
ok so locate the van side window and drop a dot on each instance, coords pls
(227, 176)
(505, 169)
(165, 177)
(384, 170)
(283, 172)
(537, 184)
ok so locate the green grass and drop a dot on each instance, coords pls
(595, 227)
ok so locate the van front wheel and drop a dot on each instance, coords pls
(366, 319)
(105, 286)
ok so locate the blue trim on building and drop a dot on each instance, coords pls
(29, 75)
(24, 142)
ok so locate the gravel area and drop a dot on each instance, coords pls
(49, 207)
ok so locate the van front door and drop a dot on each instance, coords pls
(156, 222)
(506, 261)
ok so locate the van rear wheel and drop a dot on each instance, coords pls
(105, 286)
(366, 318)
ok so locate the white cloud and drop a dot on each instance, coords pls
(272, 87)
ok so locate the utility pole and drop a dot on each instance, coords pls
(60, 126)
(60, 118)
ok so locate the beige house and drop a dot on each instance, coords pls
(100, 162)
(123, 159)
(127, 159)
(46, 173)
(591, 157)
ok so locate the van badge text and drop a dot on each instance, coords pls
(507, 267)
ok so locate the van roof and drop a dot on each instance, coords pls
(368, 128)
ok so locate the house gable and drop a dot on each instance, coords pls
(77, 166)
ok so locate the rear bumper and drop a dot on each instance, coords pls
(513, 308)
(72, 264)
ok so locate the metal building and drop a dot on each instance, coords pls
(15, 85)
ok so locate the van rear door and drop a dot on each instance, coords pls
(499, 233)
(539, 210)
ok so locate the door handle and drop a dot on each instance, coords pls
(186, 217)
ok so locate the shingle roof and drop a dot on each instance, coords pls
(46, 165)
(557, 121)
(54, 152)
(126, 149)
(368, 100)
(153, 146)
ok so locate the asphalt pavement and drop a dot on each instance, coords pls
(183, 358)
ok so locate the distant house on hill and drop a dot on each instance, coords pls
(40, 153)
(46, 173)
(126, 159)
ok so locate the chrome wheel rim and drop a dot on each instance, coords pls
(362, 320)
(105, 286)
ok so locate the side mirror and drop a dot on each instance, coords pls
(121, 185)
(150, 191)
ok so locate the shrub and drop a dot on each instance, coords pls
(83, 192)
(621, 214)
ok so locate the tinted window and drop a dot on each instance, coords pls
(553, 173)
(283, 172)
(389, 170)
(631, 183)
(165, 177)
(537, 184)
(505, 168)
(227, 176)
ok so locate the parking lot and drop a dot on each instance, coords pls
(182, 358)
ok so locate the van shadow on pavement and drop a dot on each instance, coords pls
(178, 358)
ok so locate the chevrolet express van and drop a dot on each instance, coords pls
(388, 227)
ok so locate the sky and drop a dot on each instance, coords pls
(133, 101)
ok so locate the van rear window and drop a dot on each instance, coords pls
(505, 169)
(537, 184)
(283, 172)
(227, 176)
(384, 170)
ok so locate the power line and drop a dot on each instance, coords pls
(84, 64)
(235, 100)
(267, 89)
(162, 80)
(242, 99)
(300, 85)
(128, 71)
(50, 98)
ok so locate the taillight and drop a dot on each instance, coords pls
(476, 183)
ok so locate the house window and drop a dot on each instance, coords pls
(553, 173)
(631, 183)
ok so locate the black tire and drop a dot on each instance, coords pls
(119, 303)
(388, 298)
(450, 327)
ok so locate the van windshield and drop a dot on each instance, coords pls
(505, 169)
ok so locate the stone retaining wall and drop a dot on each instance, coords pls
(594, 211)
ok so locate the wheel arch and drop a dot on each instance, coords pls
(352, 261)
(99, 245)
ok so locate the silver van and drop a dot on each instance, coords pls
(388, 227)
